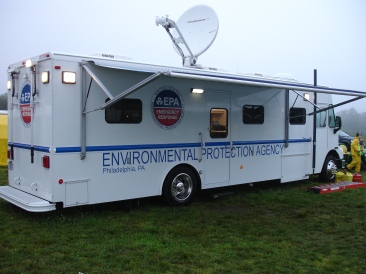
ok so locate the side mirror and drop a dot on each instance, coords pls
(338, 124)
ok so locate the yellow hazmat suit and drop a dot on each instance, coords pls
(356, 157)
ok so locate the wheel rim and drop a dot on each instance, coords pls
(331, 169)
(182, 186)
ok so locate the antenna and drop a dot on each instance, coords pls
(194, 32)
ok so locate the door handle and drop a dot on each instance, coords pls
(201, 147)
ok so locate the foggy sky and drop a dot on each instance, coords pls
(266, 36)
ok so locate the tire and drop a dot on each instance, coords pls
(180, 186)
(329, 169)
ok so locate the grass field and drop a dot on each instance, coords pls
(266, 228)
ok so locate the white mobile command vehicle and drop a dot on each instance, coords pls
(92, 129)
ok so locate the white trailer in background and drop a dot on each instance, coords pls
(92, 129)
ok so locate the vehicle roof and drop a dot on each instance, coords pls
(197, 73)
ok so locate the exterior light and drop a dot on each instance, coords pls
(306, 96)
(45, 77)
(68, 77)
(46, 161)
(30, 63)
(197, 90)
(8, 85)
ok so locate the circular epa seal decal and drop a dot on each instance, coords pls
(167, 107)
(24, 104)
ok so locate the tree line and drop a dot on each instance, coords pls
(353, 121)
(4, 101)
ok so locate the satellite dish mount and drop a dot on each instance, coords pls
(197, 30)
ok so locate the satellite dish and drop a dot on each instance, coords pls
(194, 32)
(199, 26)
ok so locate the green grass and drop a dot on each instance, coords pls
(267, 228)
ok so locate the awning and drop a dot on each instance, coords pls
(157, 71)
(267, 83)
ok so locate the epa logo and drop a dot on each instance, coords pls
(167, 107)
(168, 101)
(24, 104)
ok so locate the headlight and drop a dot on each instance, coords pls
(8, 85)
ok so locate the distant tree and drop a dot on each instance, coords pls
(352, 121)
(4, 101)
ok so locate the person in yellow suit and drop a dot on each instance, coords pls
(356, 153)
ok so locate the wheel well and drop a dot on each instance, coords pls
(199, 184)
(335, 155)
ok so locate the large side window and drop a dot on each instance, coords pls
(331, 121)
(125, 111)
(253, 114)
(297, 116)
(218, 123)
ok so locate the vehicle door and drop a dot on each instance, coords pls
(217, 138)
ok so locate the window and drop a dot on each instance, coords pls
(321, 119)
(218, 123)
(125, 111)
(332, 123)
(297, 116)
(253, 114)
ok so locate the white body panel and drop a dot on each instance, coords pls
(127, 161)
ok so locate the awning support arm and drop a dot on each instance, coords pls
(83, 116)
(100, 84)
(306, 99)
(119, 96)
(287, 114)
(131, 90)
(87, 96)
(337, 105)
(295, 99)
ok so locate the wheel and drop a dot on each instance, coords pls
(329, 169)
(180, 186)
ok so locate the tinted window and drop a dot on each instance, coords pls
(125, 111)
(321, 119)
(253, 114)
(331, 118)
(297, 116)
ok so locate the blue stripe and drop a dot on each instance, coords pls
(68, 149)
(42, 149)
(217, 144)
(126, 147)
(26, 146)
(263, 142)
(157, 146)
